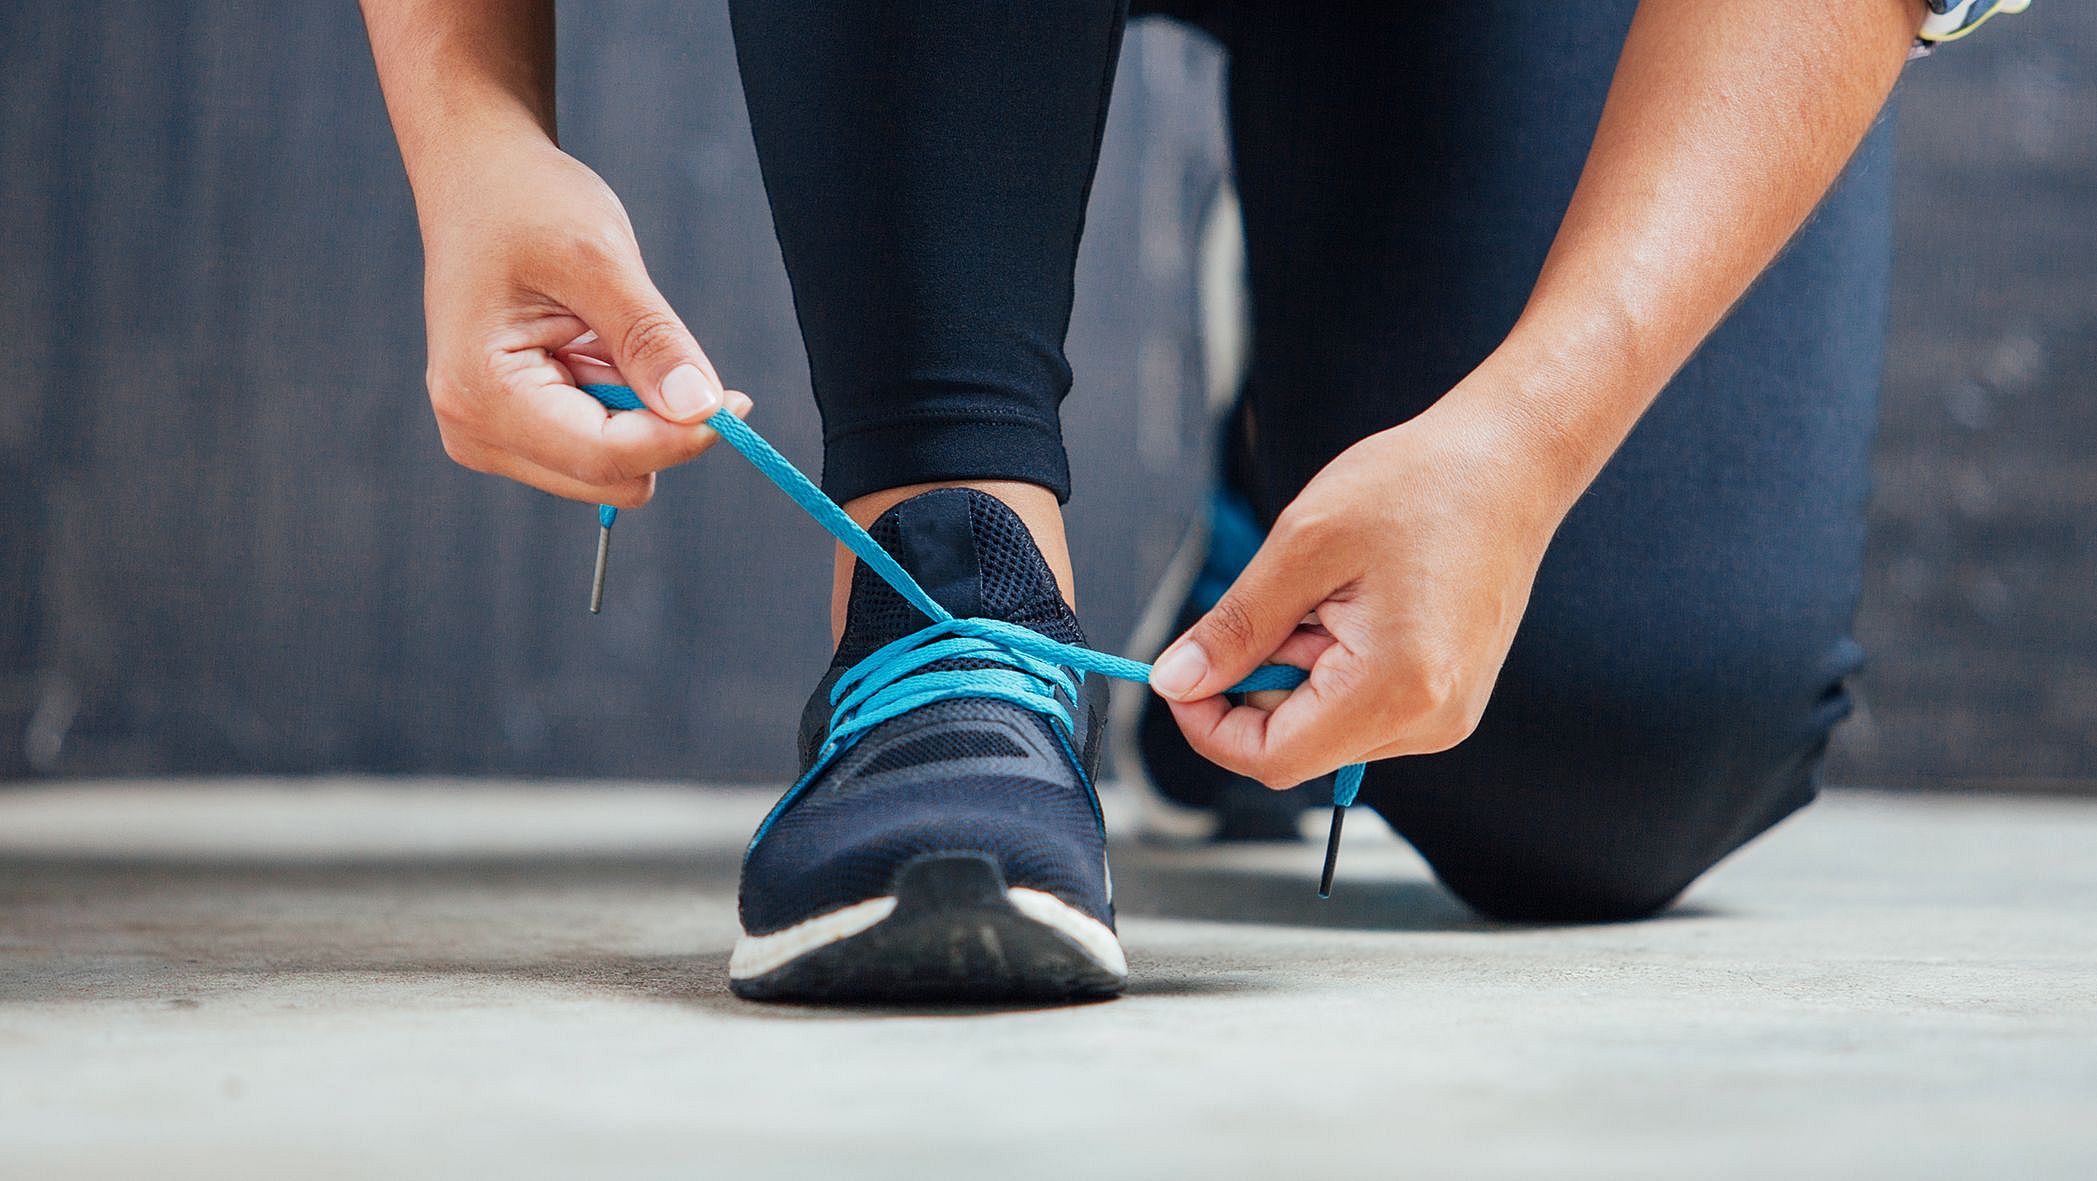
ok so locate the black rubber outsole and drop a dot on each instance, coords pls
(954, 937)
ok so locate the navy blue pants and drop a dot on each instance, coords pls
(1402, 170)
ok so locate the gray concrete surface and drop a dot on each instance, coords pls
(361, 978)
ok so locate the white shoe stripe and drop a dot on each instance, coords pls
(1095, 938)
(755, 955)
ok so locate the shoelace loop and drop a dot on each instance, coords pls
(1027, 666)
(900, 677)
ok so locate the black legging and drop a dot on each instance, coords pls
(1402, 170)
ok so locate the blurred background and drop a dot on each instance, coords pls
(231, 541)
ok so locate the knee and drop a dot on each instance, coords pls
(1521, 887)
(1601, 798)
(1615, 852)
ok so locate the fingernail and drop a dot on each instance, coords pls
(1180, 670)
(689, 396)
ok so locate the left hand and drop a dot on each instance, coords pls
(1397, 579)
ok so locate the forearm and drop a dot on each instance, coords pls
(461, 76)
(1719, 136)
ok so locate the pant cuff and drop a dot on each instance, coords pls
(860, 460)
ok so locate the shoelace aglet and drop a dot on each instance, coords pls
(606, 514)
(1332, 850)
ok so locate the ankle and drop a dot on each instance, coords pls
(1035, 505)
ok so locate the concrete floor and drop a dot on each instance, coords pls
(358, 978)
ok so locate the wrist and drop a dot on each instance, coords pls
(468, 146)
(456, 177)
(1558, 399)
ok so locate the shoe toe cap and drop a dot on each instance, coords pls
(830, 853)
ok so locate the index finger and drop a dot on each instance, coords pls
(562, 429)
(1320, 725)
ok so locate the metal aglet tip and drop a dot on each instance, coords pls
(1332, 850)
(604, 555)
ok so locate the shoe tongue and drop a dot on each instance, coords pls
(972, 554)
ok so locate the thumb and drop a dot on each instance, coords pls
(649, 344)
(1254, 617)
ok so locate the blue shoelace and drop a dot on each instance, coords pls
(1016, 664)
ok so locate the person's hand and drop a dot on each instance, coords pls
(534, 285)
(1396, 578)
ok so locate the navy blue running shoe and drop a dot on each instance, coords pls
(944, 842)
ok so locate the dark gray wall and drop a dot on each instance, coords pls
(1980, 608)
(230, 541)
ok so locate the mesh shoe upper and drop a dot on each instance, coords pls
(958, 775)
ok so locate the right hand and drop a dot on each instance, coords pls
(533, 285)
